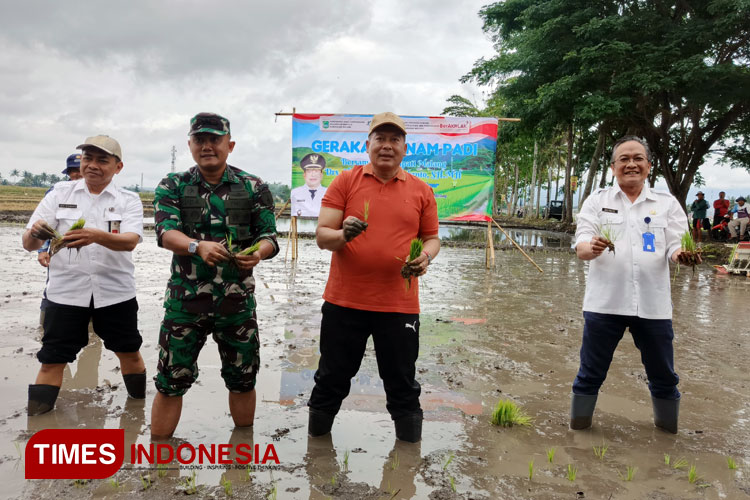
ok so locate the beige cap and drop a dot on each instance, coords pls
(387, 118)
(103, 142)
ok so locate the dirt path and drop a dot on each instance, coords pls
(510, 332)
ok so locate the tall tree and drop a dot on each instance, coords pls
(675, 73)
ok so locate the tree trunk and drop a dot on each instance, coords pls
(533, 178)
(557, 180)
(603, 181)
(538, 196)
(568, 170)
(512, 207)
(595, 162)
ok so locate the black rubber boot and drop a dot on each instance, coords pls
(666, 413)
(319, 423)
(135, 383)
(582, 411)
(409, 428)
(42, 398)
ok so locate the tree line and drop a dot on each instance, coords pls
(580, 74)
(27, 179)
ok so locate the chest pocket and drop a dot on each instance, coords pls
(66, 217)
(238, 210)
(658, 222)
(191, 208)
(607, 219)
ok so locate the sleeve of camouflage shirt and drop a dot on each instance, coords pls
(263, 225)
(166, 207)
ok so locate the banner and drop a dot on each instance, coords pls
(455, 156)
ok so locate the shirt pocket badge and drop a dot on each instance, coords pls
(113, 220)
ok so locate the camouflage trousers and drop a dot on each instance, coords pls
(182, 336)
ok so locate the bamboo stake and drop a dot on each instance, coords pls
(491, 243)
(517, 246)
(282, 209)
(294, 238)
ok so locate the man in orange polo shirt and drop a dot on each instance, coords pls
(366, 294)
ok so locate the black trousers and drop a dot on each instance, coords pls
(343, 337)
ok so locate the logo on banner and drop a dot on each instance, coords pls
(74, 453)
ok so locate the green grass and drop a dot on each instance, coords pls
(551, 454)
(507, 414)
(531, 469)
(161, 470)
(453, 484)
(191, 488)
(114, 483)
(572, 471)
(731, 463)
(667, 459)
(600, 451)
(346, 461)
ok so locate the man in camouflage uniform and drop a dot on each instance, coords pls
(197, 214)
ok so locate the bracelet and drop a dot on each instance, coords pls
(429, 257)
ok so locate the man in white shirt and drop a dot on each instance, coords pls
(97, 281)
(738, 226)
(629, 287)
(306, 199)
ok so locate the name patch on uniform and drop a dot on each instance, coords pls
(610, 210)
(67, 205)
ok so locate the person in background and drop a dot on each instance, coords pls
(721, 207)
(740, 222)
(699, 208)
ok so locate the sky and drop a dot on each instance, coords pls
(139, 70)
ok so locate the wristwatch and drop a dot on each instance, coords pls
(193, 247)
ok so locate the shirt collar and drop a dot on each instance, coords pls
(227, 176)
(80, 185)
(368, 170)
(646, 192)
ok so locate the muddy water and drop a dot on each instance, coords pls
(509, 332)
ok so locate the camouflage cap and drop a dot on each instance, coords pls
(209, 123)
(312, 160)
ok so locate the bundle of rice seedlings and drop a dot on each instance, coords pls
(249, 250)
(689, 250)
(233, 255)
(415, 250)
(610, 235)
(57, 243)
(507, 414)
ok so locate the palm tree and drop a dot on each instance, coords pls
(14, 173)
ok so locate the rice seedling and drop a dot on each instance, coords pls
(690, 253)
(453, 484)
(56, 239)
(333, 480)
(273, 493)
(415, 250)
(227, 485)
(146, 482)
(114, 483)
(394, 462)
(161, 470)
(731, 463)
(190, 488)
(249, 250)
(693, 475)
(366, 211)
(680, 463)
(667, 459)
(78, 224)
(572, 471)
(507, 414)
(600, 451)
(80, 483)
(629, 473)
(610, 235)
(249, 472)
(551, 454)
(531, 469)
(448, 461)
(19, 451)
(346, 461)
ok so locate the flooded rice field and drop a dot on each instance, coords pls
(509, 332)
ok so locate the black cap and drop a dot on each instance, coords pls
(740, 199)
(312, 160)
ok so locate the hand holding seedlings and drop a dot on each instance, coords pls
(353, 227)
(76, 237)
(212, 252)
(599, 244)
(42, 231)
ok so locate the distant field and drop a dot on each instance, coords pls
(25, 199)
